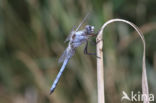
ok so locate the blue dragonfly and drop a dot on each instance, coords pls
(75, 39)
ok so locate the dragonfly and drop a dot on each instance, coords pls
(76, 38)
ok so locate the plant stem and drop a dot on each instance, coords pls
(100, 68)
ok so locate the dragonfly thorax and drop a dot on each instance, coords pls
(78, 38)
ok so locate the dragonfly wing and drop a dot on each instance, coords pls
(82, 22)
(70, 35)
(68, 38)
(63, 56)
(68, 53)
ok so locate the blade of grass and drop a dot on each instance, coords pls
(38, 76)
(100, 67)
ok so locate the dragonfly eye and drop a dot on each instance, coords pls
(92, 28)
(89, 29)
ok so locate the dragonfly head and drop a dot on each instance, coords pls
(89, 29)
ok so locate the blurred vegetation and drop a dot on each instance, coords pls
(32, 34)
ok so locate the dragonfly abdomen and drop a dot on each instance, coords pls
(59, 75)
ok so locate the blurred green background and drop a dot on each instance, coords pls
(32, 34)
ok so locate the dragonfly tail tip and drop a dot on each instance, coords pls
(51, 91)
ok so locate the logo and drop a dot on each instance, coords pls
(137, 96)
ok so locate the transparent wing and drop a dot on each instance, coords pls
(68, 38)
(68, 53)
(63, 56)
(82, 22)
(70, 35)
(72, 32)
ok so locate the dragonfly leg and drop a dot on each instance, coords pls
(92, 42)
(95, 43)
(95, 34)
(86, 50)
